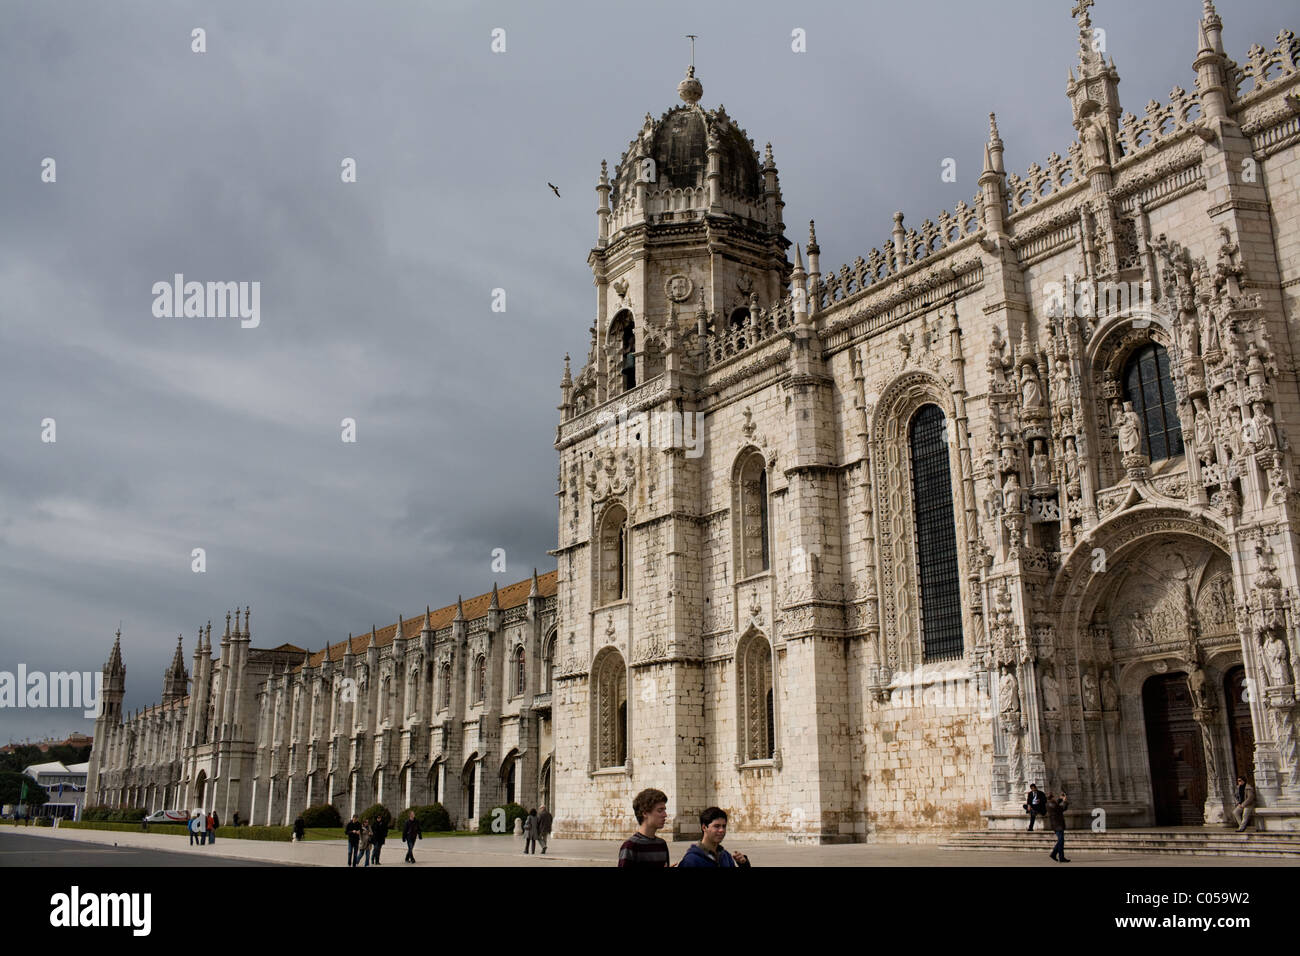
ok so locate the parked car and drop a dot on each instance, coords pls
(168, 816)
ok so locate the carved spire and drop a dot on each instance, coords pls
(813, 248)
(373, 642)
(400, 633)
(496, 603)
(115, 656)
(534, 590)
(460, 609)
(428, 618)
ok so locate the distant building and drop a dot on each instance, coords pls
(66, 786)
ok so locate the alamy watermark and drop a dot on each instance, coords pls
(654, 430)
(211, 300)
(1087, 298)
(38, 689)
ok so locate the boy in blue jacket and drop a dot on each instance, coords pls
(709, 851)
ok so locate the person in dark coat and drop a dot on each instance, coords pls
(1056, 807)
(544, 822)
(213, 823)
(378, 834)
(353, 832)
(411, 833)
(1245, 805)
(530, 832)
(299, 829)
(1035, 803)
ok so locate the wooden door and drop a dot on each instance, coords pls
(1240, 730)
(1174, 746)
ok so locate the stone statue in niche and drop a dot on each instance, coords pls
(996, 362)
(1051, 694)
(1008, 693)
(1263, 432)
(1196, 685)
(1094, 141)
(1011, 493)
(1130, 436)
(1203, 430)
(1071, 461)
(1109, 693)
(1039, 466)
(1090, 699)
(1031, 392)
(1276, 662)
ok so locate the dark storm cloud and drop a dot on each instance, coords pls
(176, 434)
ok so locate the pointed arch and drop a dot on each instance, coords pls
(609, 727)
(611, 555)
(750, 510)
(755, 707)
(898, 466)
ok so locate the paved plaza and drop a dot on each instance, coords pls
(508, 851)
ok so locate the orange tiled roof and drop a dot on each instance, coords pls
(512, 595)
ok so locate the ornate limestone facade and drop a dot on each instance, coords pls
(1009, 499)
(452, 709)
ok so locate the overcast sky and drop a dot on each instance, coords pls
(182, 433)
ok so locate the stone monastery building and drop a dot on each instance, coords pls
(1009, 499)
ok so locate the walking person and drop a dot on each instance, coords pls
(643, 848)
(378, 834)
(299, 828)
(544, 821)
(709, 852)
(363, 844)
(1035, 803)
(530, 832)
(194, 831)
(1056, 807)
(411, 833)
(201, 827)
(353, 832)
(1245, 807)
(213, 823)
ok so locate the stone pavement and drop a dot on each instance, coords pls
(508, 851)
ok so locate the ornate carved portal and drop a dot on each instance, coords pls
(1138, 709)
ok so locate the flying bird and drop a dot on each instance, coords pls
(554, 189)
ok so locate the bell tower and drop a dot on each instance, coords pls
(689, 218)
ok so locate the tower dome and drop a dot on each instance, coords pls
(677, 144)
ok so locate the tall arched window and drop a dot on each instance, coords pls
(1148, 386)
(508, 775)
(519, 670)
(936, 536)
(444, 688)
(611, 582)
(758, 736)
(480, 679)
(548, 664)
(752, 526)
(623, 331)
(611, 711)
